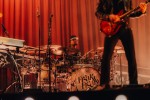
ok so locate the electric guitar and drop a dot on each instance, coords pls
(110, 28)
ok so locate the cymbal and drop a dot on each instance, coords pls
(32, 51)
(41, 49)
(55, 46)
(24, 50)
(57, 52)
(55, 49)
(1, 15)
(51, 47)
(118, 47)
(120, 51)
(100, 48)
(27, 48)
(95, 52)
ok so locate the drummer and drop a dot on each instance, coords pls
(74, 41)
(72, 52)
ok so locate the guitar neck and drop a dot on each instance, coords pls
(129, 12)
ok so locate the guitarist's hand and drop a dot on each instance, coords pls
(114, 18)
(143, 7)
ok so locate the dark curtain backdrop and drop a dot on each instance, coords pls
(28, 20)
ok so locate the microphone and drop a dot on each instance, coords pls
(4, 30)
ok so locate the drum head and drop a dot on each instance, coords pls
(84, 79)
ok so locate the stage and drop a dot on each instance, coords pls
(139, 92)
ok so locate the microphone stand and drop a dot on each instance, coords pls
(48, 49)
(38, 15)
(5, 32)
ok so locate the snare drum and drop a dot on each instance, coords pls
(83, 79)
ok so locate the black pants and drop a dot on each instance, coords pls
(126, 37)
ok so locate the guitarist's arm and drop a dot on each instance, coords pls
(142, 10)
(114, 18)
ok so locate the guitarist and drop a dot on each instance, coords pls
(108, 10)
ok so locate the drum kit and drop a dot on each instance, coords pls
(66, 71)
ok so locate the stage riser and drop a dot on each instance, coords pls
(131, 93)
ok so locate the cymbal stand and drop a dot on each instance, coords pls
(5, 32)
(19, 78)
(49, 51)
(85, 56)
(121, 70)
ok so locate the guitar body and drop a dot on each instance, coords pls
(109, 28)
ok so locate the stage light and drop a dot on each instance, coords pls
(121, 97)
(1, 15)
(29, 98)
(73, 98)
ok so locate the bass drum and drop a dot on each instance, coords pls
(84, 79)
